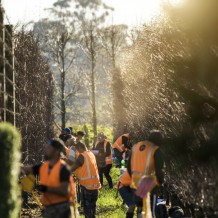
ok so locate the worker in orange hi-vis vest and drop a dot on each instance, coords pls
(56, 184)
(145, 166)
(121, 145)
(103, 153)
(87, 174)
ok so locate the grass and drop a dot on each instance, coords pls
(108, 205)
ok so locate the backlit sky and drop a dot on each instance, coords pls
(130, 12)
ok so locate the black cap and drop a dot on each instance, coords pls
(155, 137)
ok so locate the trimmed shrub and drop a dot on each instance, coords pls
(10, 144)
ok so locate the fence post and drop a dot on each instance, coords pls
(9, 75)
(1, 64)
(4, 75)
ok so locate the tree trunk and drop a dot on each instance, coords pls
(1, 66)
(63, 106)
(93, 85)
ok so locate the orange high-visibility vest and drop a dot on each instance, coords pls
(108, 159)
(118, 144)
(124, 180)
(142, 161)
(88, 173)
(52, 179)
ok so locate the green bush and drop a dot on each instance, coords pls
(10, 143)
(106, 130)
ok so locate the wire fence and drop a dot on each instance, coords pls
(26, 89)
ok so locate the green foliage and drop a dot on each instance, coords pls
(106, 130)
(170, 77)
(10, 143)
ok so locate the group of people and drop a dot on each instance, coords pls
(67, 160)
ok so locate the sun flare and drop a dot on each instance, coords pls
(133, 12)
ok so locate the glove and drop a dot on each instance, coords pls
(42, 188)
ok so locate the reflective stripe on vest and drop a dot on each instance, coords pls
(88, 172)
(119, 144)
(95, 186)
(119, 147)
(148, 159)
(142, 160)
(147, 164)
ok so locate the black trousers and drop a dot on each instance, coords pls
(90, 198)
(106, 172)
(119, 157)
(57, 211)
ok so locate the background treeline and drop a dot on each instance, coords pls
(82, 49)
(170, 82)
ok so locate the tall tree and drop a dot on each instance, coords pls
(114, 40)
(61, 37)
(91, 46)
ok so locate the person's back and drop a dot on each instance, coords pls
(145, 165)
(142, 161)
(122, 144)
(87, 173)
